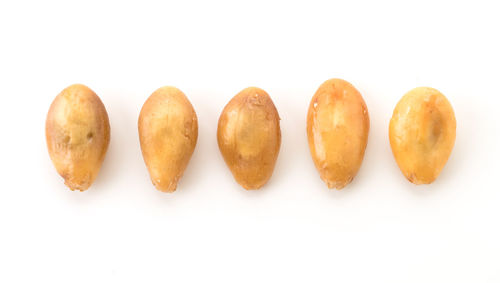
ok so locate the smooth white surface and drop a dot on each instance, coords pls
(380, 228)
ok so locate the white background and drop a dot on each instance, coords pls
(380, 228)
